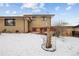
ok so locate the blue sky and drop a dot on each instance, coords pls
(65, 12)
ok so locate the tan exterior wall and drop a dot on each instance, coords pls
(67, 32)
(1, 24)
(19, 25)
(26, 25)
(38, 22)
(76, 29)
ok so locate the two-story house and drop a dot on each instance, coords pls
(25, 23)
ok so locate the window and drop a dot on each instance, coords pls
(34, 29)
(45, 29)
(33, 18)
(9, 22)
(44, 18)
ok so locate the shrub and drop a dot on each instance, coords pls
(3, 31)
(17, 31)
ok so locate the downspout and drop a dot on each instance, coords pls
(24, 25)
(28, 25)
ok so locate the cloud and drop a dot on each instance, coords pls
(71, 4)
(10, 12)
(4, 4)
(7, 5)
(20, 11)
(7, 11)
(36, 7)
(14, 12)
(68, 8)
(36, 11)
(42, 6)
(32, 5)
(29, 5)
(57, 8)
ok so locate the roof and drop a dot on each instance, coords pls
(29, 15)
(39, 15)
(9, 16)
(76, 26)
(62, 26)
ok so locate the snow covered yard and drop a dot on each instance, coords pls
(21, 44)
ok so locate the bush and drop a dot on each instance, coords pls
(17, 31)
(3, 31)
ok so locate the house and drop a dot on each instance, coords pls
(26, 23)
(63, 30)
(71, 30)
(75, 31)
(67, 30)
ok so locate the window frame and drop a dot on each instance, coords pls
(6, 21)
(44, 18)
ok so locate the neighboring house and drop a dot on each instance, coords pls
(63, 30)
(27, 23)
(75, 31)
(76, 28)
(67, 30)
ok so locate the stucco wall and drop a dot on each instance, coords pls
(38, 22)
(76, 29)
(19, 25)
(67, 32)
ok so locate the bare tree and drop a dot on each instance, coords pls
(48, 42)
(60, 28)
(49, 34)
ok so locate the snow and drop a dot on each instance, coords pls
(29, 44)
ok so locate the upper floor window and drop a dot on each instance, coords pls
(33, 18)
(9, 22)
(44, 18)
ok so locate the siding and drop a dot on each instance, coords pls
(19, 25)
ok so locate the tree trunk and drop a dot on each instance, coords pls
(48, 43)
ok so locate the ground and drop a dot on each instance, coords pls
(21, 44)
